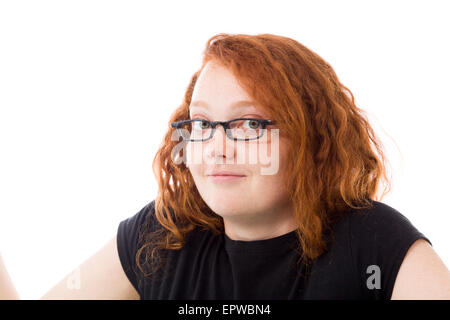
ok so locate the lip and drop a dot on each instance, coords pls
(225, 176)
(224, 173)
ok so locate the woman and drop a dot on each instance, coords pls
(305, 222)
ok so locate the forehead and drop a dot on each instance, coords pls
(239, 104)
(217, 82)
(217, 87)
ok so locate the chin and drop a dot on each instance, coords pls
(226, 206)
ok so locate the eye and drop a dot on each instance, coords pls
(251, 124)
(205, 124)
(201, 124)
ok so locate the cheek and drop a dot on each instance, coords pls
(272, 187)
(193, 154)
(196, 172)
(273, 181)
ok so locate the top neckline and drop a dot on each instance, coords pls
(272, 245)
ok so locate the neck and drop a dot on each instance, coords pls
(261, 225)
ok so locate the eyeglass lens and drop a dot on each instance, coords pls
(199, 130)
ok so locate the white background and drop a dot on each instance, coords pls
(87, 87)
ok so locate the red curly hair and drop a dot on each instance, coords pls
(336, 162)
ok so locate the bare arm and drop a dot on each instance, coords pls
(101, 277)
(422, 275)
(7, 289)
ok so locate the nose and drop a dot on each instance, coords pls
(219, 147)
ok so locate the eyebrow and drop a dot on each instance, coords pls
(240, 103)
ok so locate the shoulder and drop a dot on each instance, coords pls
(143, 215)
(128, 235)
(379, 238)
(422, 275)
(381, 224)
(378, 216)
(131, 227)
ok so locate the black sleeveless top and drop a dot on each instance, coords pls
(361, 262)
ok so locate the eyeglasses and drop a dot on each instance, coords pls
(241, 129)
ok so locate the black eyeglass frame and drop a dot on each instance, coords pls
(225, 125)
